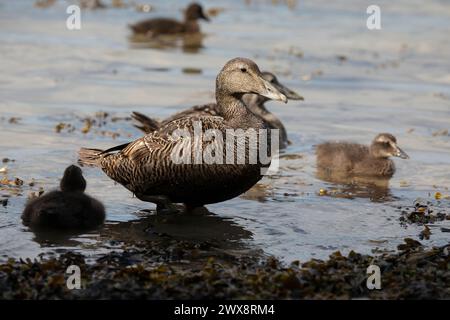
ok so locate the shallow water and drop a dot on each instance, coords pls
(394, 80)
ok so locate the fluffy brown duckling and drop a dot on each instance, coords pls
(68, 208)
(360, 160)
(161, 26)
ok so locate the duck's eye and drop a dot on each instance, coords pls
(244, 69)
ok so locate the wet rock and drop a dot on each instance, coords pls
(144, 7)
(425, 234)
(443, 132)
(342, 58)
(14, 120)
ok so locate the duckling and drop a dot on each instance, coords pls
(359, 160)
(68, 208)
(160, 26)
(254, 102)
(146, 166)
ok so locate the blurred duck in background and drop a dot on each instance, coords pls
(166, 26)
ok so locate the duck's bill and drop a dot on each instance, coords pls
(401, 154)
(204, 17)
(290, 94)
(270, 92)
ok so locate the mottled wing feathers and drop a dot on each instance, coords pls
(189, 124)
(140, 149)
(148, 125)
(209, 109)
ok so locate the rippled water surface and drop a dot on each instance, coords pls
(356, 83)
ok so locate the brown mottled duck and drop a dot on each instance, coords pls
(147, 168)
(360, 160)
(254, 102)
(166, 26)
(68, 208)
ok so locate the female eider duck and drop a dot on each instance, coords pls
(161, 26)
(360, 160)
(254, 102)
(146, 166)
(68, 208)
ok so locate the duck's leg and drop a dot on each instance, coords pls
(163, 204)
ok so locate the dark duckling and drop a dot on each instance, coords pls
(254, 102)
(360, 160)
(161, 26)
(68, 208)
(146, 167)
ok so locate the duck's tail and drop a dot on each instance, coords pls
(145, 123)
(89, 157)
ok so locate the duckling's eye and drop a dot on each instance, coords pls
(244, 69)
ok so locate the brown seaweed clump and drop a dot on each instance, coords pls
(422, 214)
(412, 273)
(98, 124)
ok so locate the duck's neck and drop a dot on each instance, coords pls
(255, 104)
(191, 26)
(374, 153)
(234, 111)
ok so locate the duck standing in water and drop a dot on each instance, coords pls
(68, 208)
(146, 167)
(360, 160)
(166, 26)
(254, 102)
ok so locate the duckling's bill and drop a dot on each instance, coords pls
(400, 153)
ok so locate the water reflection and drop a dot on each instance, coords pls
(223, 233)
(56, 238)
(186, 227)
(188, 43)
(348, 187)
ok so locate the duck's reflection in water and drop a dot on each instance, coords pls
(60, 239)
(188, 43)
(374, 188)
(184, 227)
(220, 234)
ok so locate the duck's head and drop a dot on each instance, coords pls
(290, 94)
(385, 145)
(195, 11)
(73, 180)
(240, 76)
